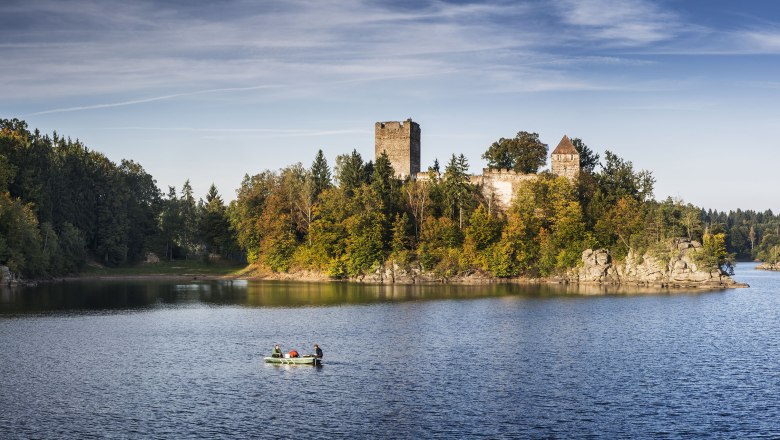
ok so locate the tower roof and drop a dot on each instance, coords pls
(565, 147)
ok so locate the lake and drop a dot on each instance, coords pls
(185, 360)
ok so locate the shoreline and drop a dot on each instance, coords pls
(459, 280)
(257, 274)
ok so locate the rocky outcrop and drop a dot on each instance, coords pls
(677, 269)
(8, 278)
(768, 266)
(393, 272)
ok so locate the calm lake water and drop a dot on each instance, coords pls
(172, 360)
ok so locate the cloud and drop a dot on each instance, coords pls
(103, 49)
(619, 22)
(760, 40)
(268, 132)
(120, 54)
(146, 100)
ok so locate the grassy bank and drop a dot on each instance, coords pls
(166, 268)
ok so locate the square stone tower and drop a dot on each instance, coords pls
(565, 159)
(401, 142)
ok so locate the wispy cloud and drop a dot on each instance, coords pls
(268, 132)
(620, 22)
(112, 48)
(150, 99)
(107, 54)
(765, 40)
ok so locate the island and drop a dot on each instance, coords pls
(65, 209)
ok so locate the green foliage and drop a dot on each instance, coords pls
(320, 173)
(7, 172)
(351, 172)
(22, 247)
(456, 189)
(61, 203)
(245, 211)
(79, 198)
(524, 153)
(618, 179)
(214, 224)
(589, 159)
(713, 254)
(365, 245)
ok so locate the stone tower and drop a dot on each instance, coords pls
(401, 142)
(565, 159)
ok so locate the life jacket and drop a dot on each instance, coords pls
(293, 354)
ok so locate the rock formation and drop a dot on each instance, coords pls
(680, 270)
(768, 266)
(8, 278)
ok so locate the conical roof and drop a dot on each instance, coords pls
(565, 147)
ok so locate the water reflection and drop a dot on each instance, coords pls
(119, 295)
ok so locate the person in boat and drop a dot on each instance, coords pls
(317, 351)
(277, 353)
(293, 353)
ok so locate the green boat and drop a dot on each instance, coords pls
(306, 360)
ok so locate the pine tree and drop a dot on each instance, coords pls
(189, 218)
(320, 174)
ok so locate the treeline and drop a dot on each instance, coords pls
(751, 235)
(61, 203)
(302, 219)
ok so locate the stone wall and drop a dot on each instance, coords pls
(501, 185)
(401, 142)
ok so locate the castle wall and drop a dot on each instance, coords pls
(401, 142)
(501, 185)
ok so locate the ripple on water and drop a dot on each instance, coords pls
(166, 361)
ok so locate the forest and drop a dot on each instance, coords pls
(63, 205)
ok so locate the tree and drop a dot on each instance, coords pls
(524, 153)
(305, 202)
(417, 201)
(589, 159)
(320, 174)
(214, 226)
(142, 205)
(328, 231)
(752, 237)
(350, 171)
(7, 172)
(365, 246)
(383, 181)
(618, 179)
(189, 218)
(245, 211)
(456, 187)
(170, 222)
(621, 221)
(20, 240)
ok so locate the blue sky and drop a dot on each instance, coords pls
(686, 89)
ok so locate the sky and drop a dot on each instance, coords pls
(688, 89)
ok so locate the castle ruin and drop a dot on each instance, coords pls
(401, 142)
